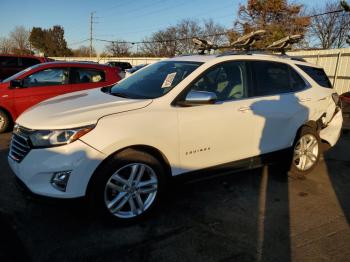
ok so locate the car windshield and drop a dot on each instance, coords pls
(15, 76)
(154, 80)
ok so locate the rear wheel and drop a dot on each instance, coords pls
(128, 186)
(306, 151)
(4, 121)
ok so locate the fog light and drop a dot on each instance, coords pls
(59, 180)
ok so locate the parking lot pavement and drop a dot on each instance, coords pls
(258, 215)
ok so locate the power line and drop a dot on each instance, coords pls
(78, 42)
(326, 13)
(159, 41)
(203, 36)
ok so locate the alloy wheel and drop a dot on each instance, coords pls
(2, 122)
(306, 152)
(131, 190)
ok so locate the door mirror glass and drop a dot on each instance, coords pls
(199, 98)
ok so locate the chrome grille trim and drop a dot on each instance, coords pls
(20, 145)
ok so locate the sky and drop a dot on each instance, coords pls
(115, 19)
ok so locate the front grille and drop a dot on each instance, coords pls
(20, 145)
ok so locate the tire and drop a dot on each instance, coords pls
(306, 152)
(128, 186)
(4, 121)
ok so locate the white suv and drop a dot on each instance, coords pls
(118, 146)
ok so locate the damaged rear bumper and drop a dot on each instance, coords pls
(332, 131)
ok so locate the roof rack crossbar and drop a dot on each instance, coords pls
(203, 45)
(285, 43)
(248, 40)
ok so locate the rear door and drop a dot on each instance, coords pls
(280, 104)
(42, 85)
(9, 65)
(86, 78)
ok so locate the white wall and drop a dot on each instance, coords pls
(102, 60)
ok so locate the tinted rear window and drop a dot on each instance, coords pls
(27, 62)
(318, 75)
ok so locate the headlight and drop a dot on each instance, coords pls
(50, 138)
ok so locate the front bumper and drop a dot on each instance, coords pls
(37, 168)
(332, 131)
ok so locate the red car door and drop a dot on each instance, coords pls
(41, 85)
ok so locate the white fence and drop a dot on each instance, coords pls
(102, 60)
(336, 63)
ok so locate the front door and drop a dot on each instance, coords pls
(222, 132)
(40, 86)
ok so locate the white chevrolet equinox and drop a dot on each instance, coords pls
(118, 146)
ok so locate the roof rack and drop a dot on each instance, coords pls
(203, 45)
(285, 43)
(247, 41)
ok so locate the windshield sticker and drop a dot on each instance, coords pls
(168, 80)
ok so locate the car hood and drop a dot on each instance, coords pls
(77, 109)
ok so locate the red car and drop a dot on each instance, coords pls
(12, 64)
(345, 105)
(43, 81)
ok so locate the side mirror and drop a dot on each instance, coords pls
(194, 98)
(16, 83)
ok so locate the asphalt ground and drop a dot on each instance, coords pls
(256, 215)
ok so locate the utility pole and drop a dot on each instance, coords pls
(91, 24)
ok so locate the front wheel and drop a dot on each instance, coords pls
(128, 186)
(4, 121)
(306, 151)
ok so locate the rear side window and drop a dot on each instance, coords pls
(272, 78)
(87, 75)
(8, 61)
(27, 62)
(317, 74)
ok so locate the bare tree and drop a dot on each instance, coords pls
(20, 38)
(6, 45)
(118, 48)
(329, 30)
(215, 33)
(161, 43)
(83, 51)
(178, 39)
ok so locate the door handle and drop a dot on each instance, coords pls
(304, 99)
(245, 108)
(323, 98)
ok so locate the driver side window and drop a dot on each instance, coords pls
(48, 77)
(226, 80)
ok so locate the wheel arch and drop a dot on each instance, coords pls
(8, 113)
(143, 148)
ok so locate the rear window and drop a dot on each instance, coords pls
(317, 74)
